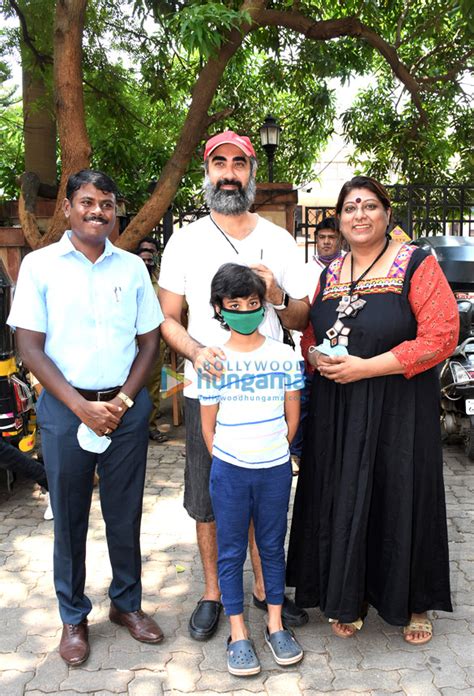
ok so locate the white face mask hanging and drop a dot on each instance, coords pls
(91, 442)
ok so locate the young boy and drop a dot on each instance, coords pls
(249, 416)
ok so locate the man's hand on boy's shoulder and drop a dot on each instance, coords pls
(209, 361)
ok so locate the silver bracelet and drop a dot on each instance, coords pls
(312, 349)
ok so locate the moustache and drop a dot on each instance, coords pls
(95, 218)
(228, 182)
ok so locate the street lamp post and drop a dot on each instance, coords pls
(270, 139)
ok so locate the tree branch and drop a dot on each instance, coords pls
(219, 115)
(400, 21)
(110, 97)
(347, 26)
(458, 66)
(42, 58)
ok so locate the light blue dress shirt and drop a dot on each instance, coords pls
(91, 313)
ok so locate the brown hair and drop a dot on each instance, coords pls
(365, 182)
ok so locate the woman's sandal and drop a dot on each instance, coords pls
(353, 626)
(242, 660)
(418, 626)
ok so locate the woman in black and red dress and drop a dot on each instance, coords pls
(369, 520)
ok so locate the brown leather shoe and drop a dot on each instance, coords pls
(74, 645)
(140, 626)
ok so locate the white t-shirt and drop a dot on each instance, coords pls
(194, 254)
(251, 429)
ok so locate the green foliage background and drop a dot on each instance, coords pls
(142, 58)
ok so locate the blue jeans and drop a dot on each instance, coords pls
(239, 495)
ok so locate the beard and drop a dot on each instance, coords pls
(228, 202)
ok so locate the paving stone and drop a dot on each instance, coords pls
(418, 683)
(183, 672)
(9, 640)
(283, 684)
(111, 680)
(463, 647)
(68, 692)
(376, 662)
(316, 674)
(446, 671)
(18, 661)
(152, 661)
(49, 674)
(146, 683)
(366, 679)
(343, 692)
(223, 682)
(393, 660)
(13, 682)
(40, 644)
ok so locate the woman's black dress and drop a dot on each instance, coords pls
(369, 519)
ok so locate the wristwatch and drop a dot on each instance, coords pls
(126, 399)
(284, 303)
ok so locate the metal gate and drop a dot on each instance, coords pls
(420, 209)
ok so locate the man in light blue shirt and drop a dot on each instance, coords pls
(86, 319)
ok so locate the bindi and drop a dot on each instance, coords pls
(358, 200)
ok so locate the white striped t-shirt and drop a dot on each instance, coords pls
(251, 429)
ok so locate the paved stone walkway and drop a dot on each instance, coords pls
(376, 661)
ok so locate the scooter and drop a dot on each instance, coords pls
(457, 395)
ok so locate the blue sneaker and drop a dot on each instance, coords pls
(284, 646)
(242, 660)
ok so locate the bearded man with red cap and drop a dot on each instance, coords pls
(231, 233)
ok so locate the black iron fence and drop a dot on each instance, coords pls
(424, 210)
(420, 209)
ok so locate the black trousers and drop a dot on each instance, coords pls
(70, 471)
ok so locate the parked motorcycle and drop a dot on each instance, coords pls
(17, 416)
(456, 257)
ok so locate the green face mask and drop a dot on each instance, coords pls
(243, 322)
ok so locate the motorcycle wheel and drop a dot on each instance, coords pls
(469, 441)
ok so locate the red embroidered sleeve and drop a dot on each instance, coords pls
(308, 339)
(437, 316)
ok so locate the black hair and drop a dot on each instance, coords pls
(89, 176)
(363, 182)
(329, 223)
(233, 280)
(148, 240)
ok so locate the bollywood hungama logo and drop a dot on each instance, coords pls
(172, 382)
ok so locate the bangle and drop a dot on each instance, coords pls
(312, 349)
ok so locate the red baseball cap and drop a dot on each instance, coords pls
(231, 138)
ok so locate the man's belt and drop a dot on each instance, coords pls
(101, 395)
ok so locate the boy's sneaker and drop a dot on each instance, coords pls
(48, 513)
(284, 646)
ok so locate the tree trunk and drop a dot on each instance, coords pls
(69, 98)
(39, 127)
